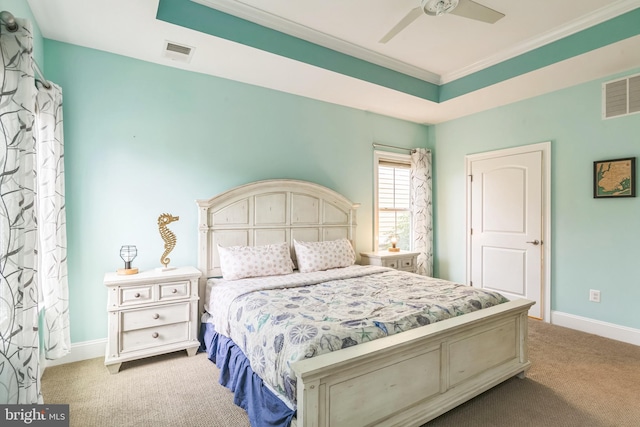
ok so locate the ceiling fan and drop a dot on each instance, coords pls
(465, 8)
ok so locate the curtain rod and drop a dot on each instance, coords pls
(411, 150)
(9, 21)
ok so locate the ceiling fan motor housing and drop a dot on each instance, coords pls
(438, 7)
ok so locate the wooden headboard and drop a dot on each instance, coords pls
(271, 211)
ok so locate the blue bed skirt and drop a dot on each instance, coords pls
(264, 408)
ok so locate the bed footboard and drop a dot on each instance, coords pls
(410, 378)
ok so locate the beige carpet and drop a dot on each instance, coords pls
(577, 380)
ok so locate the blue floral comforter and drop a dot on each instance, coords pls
(282, 319)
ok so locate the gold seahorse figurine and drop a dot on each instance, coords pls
(167, 235)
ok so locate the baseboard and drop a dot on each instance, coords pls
(82, 351)
(596, 327)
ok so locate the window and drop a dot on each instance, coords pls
(392, 200)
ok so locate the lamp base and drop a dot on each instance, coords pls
(394, 249)
(127, 271)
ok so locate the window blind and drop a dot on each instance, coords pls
(393, 203)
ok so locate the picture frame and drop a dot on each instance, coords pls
(614, 178)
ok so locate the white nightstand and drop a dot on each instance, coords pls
(403, 260)
(150, 313)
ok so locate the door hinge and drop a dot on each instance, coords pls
(471, 232)
(470, 282)
(471, 178)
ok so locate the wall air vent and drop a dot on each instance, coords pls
(178, 52)
(621, 97)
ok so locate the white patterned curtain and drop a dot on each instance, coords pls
(19, 369)
(20, 294)
(52, 226)
(421, 214)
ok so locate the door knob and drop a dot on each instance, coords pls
(535, 242)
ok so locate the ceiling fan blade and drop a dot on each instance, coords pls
(404, 22)
(472, 10)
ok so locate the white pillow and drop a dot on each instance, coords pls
(316, 256)
(238, 262)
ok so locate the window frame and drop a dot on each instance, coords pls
(382, 156)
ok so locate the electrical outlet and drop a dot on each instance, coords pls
(594, 295)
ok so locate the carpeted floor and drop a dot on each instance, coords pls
(577, 379)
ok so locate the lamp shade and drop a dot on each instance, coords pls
(128, 253)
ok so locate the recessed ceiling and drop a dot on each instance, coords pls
(342, 60)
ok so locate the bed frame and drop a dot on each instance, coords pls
(405, 379)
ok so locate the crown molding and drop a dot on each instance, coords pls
(269, 20)
(603, 14)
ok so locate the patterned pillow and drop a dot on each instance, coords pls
(238, 262)
(316, 256)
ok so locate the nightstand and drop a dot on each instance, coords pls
(151, 313)
(403, 260)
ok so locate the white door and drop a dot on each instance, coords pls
(506, 235)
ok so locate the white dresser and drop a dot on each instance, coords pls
(150, 313)
(403, 260)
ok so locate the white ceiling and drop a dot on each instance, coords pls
(435, 49)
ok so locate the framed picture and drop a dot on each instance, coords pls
(614, 178)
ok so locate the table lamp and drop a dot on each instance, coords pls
(394, 241)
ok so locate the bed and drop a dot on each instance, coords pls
(406, 376)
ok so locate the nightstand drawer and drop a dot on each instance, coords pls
(156, 316)
(174, 290)
(406, 263)
(391, 263)
(136, 295)
(154, 337)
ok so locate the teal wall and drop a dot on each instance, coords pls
(594, 242)
(142, 139)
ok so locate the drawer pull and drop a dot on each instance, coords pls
(137, 295)
(156, 316)
(155, 335)
(174, 290)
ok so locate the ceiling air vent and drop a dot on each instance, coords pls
(621, 97)
(178, 52)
